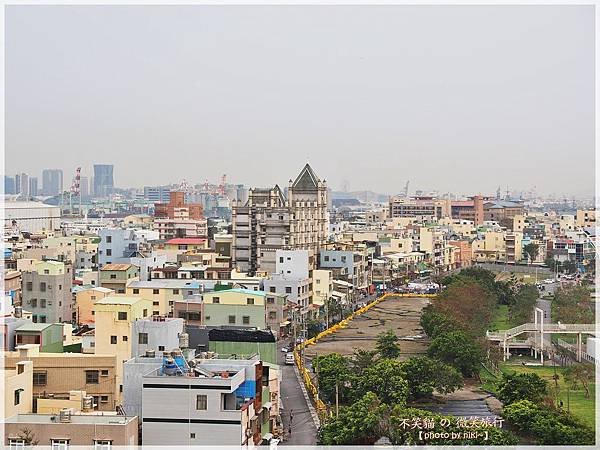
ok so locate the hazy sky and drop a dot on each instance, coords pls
(455, 98)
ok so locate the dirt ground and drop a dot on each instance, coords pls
(401, 314)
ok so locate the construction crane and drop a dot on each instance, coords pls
(221, 189)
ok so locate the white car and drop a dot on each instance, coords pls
(289, 359)
(284, 349)
(549, 281)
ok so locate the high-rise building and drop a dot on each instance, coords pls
(157, 194)
(84, 186)
(52, 181)
(23, 185)
(103, 180)
(17, 184)
(33, 186)
(270, 221)
(9, 185)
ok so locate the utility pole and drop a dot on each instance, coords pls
(337, 401)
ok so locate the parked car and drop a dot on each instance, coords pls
(284, 349)
(289, 359)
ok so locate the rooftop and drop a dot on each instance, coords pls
(119, 300)
(35, 326)
(167, 284)
(75, 419)
(27, 205)
(117, 266)
(186, 241)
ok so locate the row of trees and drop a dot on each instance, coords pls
(371, 391)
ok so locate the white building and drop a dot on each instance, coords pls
(32, 217)
(292, 263)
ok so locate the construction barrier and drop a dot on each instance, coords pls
(310, 387)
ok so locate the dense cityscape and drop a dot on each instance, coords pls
(280, 314)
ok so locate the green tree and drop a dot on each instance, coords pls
(425, 375)
(357, 424)
(584, 373)
(531, 250)
(458, 350)
(551, 263)
(334, 369)
(361, 359)
(573, 304)
(387, 344)
(525, 300)
(386, 379)
(522, 386)
(568, 266)
(435, 323)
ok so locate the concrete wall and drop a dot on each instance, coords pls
(292, 263)
(15, 381)
(160, 334)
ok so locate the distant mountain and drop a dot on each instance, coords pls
(363, 196)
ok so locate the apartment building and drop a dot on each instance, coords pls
(61, 432)
(295, 290)
(156, 334)
(235, 308)
(49, 336)
(47, 291)
(401, 207)
(118, 276)
(270, 221)
(585, 218)
(491, 247)
(218, 402)
(178, 208)
(347, 262)
(502, 211)
(164, 293)
(471, 209)
(322, 281)
(18, 389)
(56, 374)
(178, 219)
(85, 299)
(115, 316)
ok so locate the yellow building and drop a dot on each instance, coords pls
(18, 389)
(163, 293)
(586, 218)
(118, 276)
(398, 245)
(114, 317)
(85, 299)
(490, 249)
(322, 286)
(519, 223)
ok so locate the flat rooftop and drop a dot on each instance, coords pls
(76, 419)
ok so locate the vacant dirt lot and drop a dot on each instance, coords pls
(401, 314)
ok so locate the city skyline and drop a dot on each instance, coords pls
(412, 82)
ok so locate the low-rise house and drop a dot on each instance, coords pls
(118, 276)
(85, 299)
(163, 293)
(235, 308)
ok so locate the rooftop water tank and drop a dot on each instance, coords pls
(65, 415)
(184, 340)
(170, 367)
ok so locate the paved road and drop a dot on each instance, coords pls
(304, 431)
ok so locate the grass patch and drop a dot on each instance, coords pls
(500, 320)
(575, 401)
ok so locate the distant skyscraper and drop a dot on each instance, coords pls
(103, 180)
(84, 186)
(23, 185)
(157, 194)
(33, 186)
(52, 181)
(9, 185)
(17, 184)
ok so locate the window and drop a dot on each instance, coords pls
(231, 319)
(272, 289)
(46, 271)
(250, 301)
(288, 289)
(102, 444)
(42, 319)
(161, 348)
(60, 444)
(34, 302)
(43, 287)
(192, 435)
(326, 258)
(272, 315)
(113, 276)
(29, 286)
(246, 320)
(155, 291)
(125, 338)
(155, 313)
(155, 303)
(108, 239)
(143, 338)
(18, 396)
(113, 339)
(145, 313)
(40, 378)
(175, 291)
(281, 259)
(136, 291)
(318, 281)
(91, 376)
(42, 303)
(201, 402)
(104, 399)
(270, 300)
(108, 252)
(215, 299)
(104, 373)
(122, 315)
(93, 297)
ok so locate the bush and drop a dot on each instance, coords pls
(458, 350)
(522, 386)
